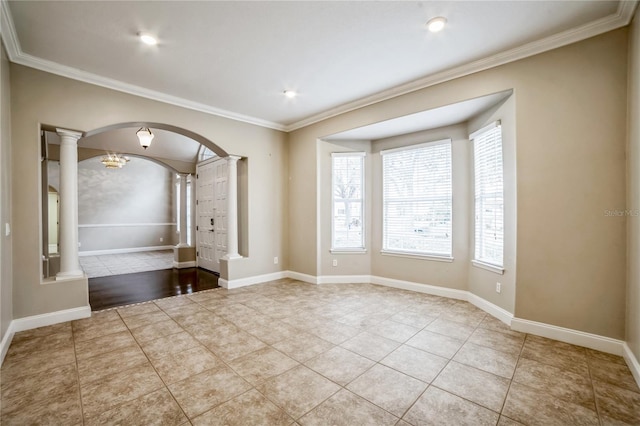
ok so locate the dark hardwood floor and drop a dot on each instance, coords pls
(120, 290)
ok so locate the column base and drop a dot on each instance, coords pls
(69, 275)
(231, 257)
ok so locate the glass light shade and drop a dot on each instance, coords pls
(145, 136)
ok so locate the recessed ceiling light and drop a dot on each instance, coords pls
(436, 24)
(148, 39)
(290, 94)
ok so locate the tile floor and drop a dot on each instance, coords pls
(286, 352)
(126, 263)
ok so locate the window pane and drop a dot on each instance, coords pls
(417, 200)
(347, 199)
(489, 197)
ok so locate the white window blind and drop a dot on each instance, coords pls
(417, 199)
(489, 195)
(347, 201)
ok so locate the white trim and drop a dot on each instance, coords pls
(567, 335)
(632, 362)
(6, 342)
(421, 288)
(493, 310)
(42, 320)
(621, 18)
(490, 126)
(417, 256)
(344, 279)
(256, 279)
(302, 277)
(415, 146)
(349, 154)
(124, 250)
(348, 251)
(117, 225)
(182, 265)
(488, 267)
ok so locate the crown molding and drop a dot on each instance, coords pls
(17, 56)
(621, 18)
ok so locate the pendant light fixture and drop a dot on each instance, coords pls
(145, 136)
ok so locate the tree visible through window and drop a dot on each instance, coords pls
(417, 199)
(347, 201)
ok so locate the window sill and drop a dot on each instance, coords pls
(417, 256)
(348, 251)
(488, 267)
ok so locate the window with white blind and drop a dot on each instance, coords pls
(347, 228)
(489, 196)
(417, 200)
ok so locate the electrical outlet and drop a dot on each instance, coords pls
(275, 260)
(161, 239)
(335, 262)
(498, 287)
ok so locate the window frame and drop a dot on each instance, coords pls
(415, 254)
(485, 263)
(363, 248)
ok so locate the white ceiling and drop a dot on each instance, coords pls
(235, 58)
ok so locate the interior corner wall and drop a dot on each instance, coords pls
(39, 98)
(570, 158)
(633, 192)
(6, 284)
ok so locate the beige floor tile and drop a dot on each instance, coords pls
(489, 360)
(143, 308)
(472, 319)
(414, 319)
(207, 390)
(335, 332)
(127, 385)
(339, 365)
(98, 328)
(555, 382)
(109, 363)
(100, 345)
(435, 343)
(451, 329)
(497, 340)
(48, 342)
(63, 327)
(393, 330)
(273, 332)
(612, 373)
(177, 366)
(370, 346)
(491, 323)
(303, 347)
(156, 330)
(262, 364)
(135, 321)
(96, 318)
(388, 388)
(533, 407)
(416, 363)
(173, 302)
(603, 356)
(347, 409)
(561, 356)
(437, 407)
(174, 343)
(298, 390)
(36, 362)
(156, 408)
(183, 314)
(506, 421)
(250, 408)
(477, 386)
(617, 404)
(59, 409)
(237, 345)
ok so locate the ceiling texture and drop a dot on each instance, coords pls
(236, 58)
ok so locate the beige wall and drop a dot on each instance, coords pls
(6, 296)
(633, 192)
(42, 98)
(570, 158)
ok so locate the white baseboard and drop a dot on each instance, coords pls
(124, 250)
(35, 321)
(493, 310)
(6, 342)
(632, 362)
(343, 279)
(182, 265)
(257, 279)
(421, 288)
(302, 277)
(568, 335)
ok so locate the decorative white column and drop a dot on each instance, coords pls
(192, 188)
(183, 210)
(232, 208)
(69, 261)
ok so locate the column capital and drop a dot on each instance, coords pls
(233, 158)
(69, 133)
